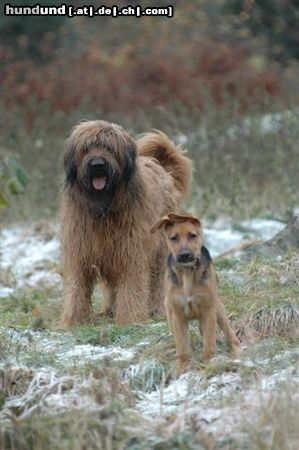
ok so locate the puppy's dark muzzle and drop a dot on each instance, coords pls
(185, 256)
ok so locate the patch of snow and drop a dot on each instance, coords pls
(264, 229)
(6, 291)
(218, 241)
(93, 353)
(189, 389)
(192, 392)
(62, 348)
(143, 343)
(212, 404)
(22, 250)
(44, 390)
(30, 258)
(50, 393)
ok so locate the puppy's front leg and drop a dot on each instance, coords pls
(224, 324)
(208, 327)
(179, 328)
(168, 314)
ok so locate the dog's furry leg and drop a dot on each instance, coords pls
(132, 297)
(208, 326)
(77, 307)
(224, 324)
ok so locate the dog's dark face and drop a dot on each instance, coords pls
(100, 158)
(184, 237)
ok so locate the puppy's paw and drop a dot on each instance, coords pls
(183, 366)
(235, 351)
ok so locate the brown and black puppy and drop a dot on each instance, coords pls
(191, 288)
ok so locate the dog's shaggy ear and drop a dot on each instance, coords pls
(164, 222)
(129, 166)
(69, 164)
(183, 217)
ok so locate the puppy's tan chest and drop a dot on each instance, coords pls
(188, 299)
(189, 304)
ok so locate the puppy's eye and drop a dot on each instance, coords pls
(174, 238)
(192, 236)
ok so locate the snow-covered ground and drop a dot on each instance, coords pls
(193, 389)
(219, 404)
(63, 347)
(30, 255)
(48, 372)
(221, 239)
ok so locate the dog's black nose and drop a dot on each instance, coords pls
(185, 256)
(97, 163)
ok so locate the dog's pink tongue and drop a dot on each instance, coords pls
(99, 183)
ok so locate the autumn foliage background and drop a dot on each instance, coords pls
(212, 64)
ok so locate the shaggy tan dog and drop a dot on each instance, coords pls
(115, 189)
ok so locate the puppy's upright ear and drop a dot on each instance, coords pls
(164, 222)
(69, 163)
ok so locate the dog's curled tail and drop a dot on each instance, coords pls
(171, 157)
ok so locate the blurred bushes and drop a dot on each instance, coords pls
(24, 34)
(199, 70)
(128, 65)
(131, 79)
(276, 21)
(13, 179)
